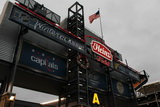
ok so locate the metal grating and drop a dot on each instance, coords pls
(41, 10)
(8, 36)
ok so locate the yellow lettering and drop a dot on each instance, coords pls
(95, 99)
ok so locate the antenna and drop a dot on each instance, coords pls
(126, 62)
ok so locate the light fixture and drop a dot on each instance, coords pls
(11, 98)
(49, 102)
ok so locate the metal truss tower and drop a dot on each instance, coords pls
(76, 20)
(77, 85)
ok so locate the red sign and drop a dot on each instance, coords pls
(103, 61)
(101, 50)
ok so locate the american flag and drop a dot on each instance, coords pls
(94, 16)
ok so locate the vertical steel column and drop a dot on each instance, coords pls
(8, 98)
(12, 74)
(155, 91)
(133, 97)
(111, 96)
(77, 83)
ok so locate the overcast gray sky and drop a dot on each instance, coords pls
(132, 27)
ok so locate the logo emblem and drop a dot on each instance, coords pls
(120, 87)
(94, 79)
(24, 18)
(101, 50)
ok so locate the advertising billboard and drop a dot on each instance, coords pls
(121, 88)
(42, 61)
(41, 27)
(101, 50)
(97, 80)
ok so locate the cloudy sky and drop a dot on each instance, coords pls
(132, 27)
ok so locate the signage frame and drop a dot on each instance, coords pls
(104, 47)
(40, 71)
(45, 29)
(121, 88)
(98, 86)
(126, 70)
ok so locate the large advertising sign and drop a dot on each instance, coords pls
(121, 89)
(101, 53)
(97, 80)
(42, 61)
(101, 50)
(23, 18)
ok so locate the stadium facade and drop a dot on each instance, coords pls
(41, 53)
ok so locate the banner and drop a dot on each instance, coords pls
(120, 88)
(126, 71)
(23, 18)
(42, 61)
(97, 80)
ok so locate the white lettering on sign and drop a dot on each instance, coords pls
(101, 50)
(44, 62)
(48, 30)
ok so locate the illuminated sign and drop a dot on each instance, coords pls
(95, 99)
(42, 61)
(23, 18)
(101, 50)
(98, 99)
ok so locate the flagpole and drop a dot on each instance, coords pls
(100, 24)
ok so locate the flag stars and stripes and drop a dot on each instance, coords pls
(94, 16)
